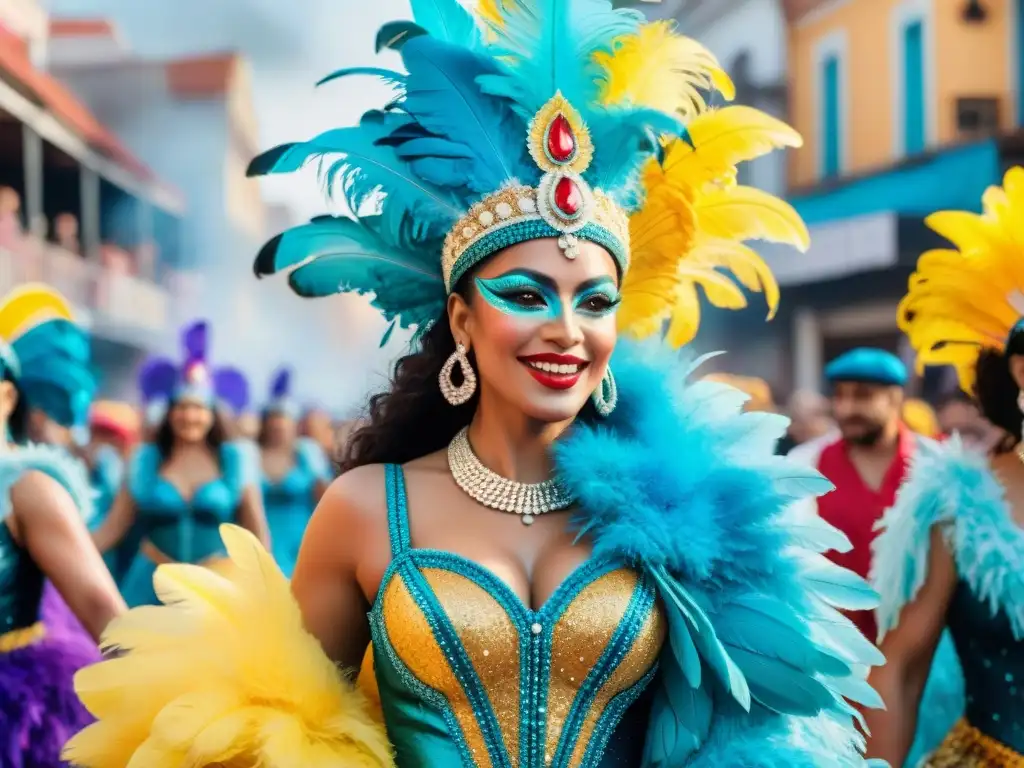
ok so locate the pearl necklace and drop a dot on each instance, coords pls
(496, 492)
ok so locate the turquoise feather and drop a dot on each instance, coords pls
(55, 462)
(447, 21)
(331, 254)
(751, 608)
(394, 79)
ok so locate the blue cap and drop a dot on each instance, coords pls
(874, 366)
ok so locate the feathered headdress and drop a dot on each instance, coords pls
(281, 400)
(47, 352)
(530, 119)
(968, 298)
(162, 381)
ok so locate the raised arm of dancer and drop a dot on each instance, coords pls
(325, 582)
(46, 522)
(251, 515)
(909, 648)
(117, 523)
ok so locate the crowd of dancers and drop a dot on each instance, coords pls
(550, 542)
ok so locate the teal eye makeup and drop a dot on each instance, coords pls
(598, 299)
(519, 294)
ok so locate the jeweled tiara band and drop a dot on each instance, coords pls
(562, 205)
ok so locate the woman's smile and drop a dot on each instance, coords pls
(555, 371)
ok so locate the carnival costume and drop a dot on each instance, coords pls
(172, 528)
(702, 631)
(961, 301)
(289, 500)
(39, 650)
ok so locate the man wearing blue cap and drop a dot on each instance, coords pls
(869, 459)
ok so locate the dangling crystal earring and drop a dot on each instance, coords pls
(457, 395)
(607, 395)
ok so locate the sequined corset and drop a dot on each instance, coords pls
(993, 666)
(469, 677)
(21, 585)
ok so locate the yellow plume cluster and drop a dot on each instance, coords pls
(967, 298)
(222, 675)
(27, 306)
(694, 223)
(660, 69)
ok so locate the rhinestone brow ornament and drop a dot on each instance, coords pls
(496, 492)
(561, 146)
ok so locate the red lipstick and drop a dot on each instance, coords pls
(553, 378)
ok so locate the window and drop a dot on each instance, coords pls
(913, 88)
(830, 124)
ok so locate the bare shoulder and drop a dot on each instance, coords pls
(39, 492)
(430, 464)
(354, 501)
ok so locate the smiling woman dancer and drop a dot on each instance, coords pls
(189, 479)
(569, 557)
(951, 554)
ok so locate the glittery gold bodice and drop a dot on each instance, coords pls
(471, 677)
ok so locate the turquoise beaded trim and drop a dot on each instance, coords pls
(534, 649)
(533, 229)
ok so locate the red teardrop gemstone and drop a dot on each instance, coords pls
(568, 198)
(561, 141)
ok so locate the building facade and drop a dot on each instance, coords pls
(906, 107)
(78, 209)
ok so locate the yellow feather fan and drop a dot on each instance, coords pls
(223, 675)
(966, 299)
(27, 306)
(695, 221)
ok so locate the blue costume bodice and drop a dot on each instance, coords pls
(21, 580)
(186, 530)
(992, 660)
(289, 501)
(469, 677)
(21, 585)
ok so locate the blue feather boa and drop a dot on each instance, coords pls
(683, 484)
(55, 462)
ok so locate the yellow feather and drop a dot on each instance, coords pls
(659, 69)
(966, 299)
(746, 213)
(748, 267)
(723, 138)
(28, 305)
(241, 679)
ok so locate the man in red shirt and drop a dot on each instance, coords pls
(867, 462)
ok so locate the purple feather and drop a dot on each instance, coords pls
(39, 710)
(281, 385)
(157, 379)
(230, 385)
(196, 341)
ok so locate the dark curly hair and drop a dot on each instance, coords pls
(995, 388)
(412, 418)
(17, 421)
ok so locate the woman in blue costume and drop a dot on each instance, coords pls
(951, 552)
(44, 498)
(188, 480)
(568, 557)
(295, 472)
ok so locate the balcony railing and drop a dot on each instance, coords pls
(122, 304)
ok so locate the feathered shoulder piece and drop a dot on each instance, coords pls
(968, 298)
(222, 674)
(55, 462)
(526, 119)
(760, 663)
(950, 486)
